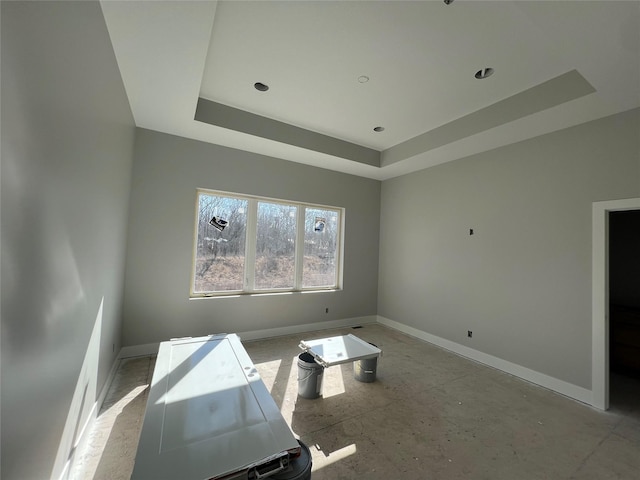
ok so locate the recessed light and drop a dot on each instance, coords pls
(363, 79)
(484, 73)
(378, 129)
(261, 86)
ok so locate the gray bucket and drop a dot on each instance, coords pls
(309, 376)
(365, 370)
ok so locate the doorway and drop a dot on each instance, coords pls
(600, 367)
(624, 309)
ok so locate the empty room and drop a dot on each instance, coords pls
(201, 199)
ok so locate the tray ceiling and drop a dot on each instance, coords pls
(336, 70)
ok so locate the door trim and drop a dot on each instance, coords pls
(600, 296)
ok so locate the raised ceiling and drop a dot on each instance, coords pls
(189, 69)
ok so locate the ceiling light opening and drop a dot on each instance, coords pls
(261, 86)
(484, 73)
(378, 129)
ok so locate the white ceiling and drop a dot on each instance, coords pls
(557, 64)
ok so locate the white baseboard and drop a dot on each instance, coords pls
(139, 350)
(105, 388)
(82, 442)
(152, 348)
(560, 386)
(307, 327)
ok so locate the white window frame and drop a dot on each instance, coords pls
(250, 246)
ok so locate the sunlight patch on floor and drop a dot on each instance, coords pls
(337, 455)
(118, 406)
(333, 384)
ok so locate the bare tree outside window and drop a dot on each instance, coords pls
(320, 241)
(275, 246)
(220, 255)
(247, 244)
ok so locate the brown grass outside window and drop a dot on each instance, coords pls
(245, 244)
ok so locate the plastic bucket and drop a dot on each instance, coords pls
(299, 468)
(309, 376)
(365, 370)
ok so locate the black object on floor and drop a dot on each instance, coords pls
(299, 468)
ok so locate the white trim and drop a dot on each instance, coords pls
(560, 386)
(307, 327)
(139, 350)
(105, 388)
(152, 348)
(81, 444)
(600, 297)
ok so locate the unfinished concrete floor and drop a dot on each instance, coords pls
(429, 415)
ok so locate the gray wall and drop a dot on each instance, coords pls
(522, 282)
(67, 149)
(167, 170)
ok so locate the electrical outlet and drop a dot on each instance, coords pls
(469, 333)
(326, 310)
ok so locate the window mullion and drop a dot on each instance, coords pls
(299, 247)
(250, 248)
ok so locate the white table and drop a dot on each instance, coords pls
(210, 416)
(338, 350)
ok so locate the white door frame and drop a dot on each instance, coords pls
(600, 297)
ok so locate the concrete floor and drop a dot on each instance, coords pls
(429, 415)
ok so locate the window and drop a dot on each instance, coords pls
(220, 255)
(256, 245)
